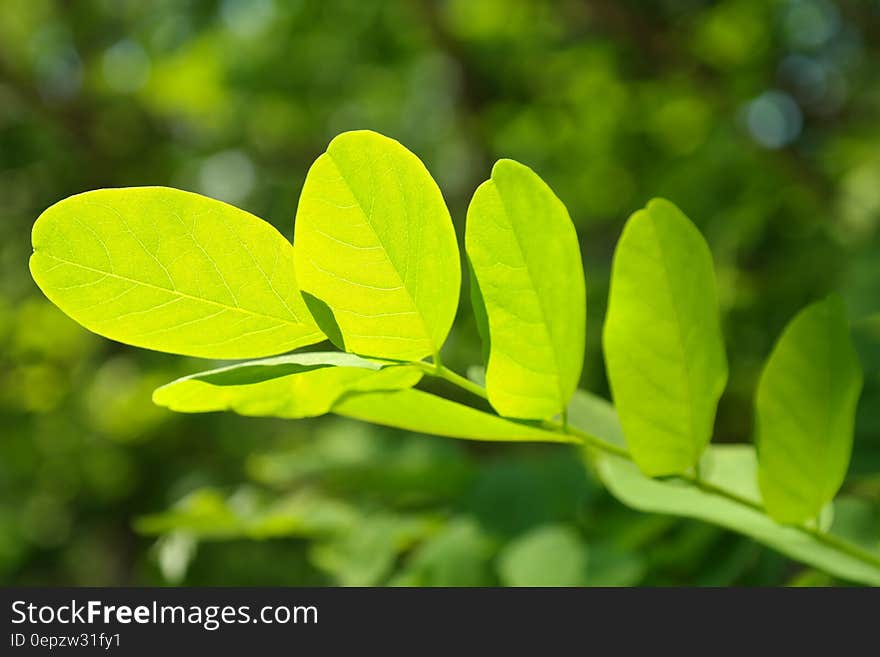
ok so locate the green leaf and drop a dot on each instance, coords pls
(732, 467)
(207, 515)
(375, 245)
(458, 555)
(423, 412)
(365, 555)
(481, 320)
(293, 386)
(529, 286)
(553, 555)
(805, 412)
(265, 369)
(172, 271)
(663, 345)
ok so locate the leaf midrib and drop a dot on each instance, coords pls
(544, 324)
(367, 220)
(170, 291)
(833, 376)
(695, 449)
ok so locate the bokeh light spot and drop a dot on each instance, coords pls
(125, 67)
(228, 176)
(774, 119)
(811, 23)
(247, 18)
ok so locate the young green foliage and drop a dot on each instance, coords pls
(172, 271)
(294, 386)
(528, 275)
(663, 345)
(376, 255)
(805, 411)
(375, 246)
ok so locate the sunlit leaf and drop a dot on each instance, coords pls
(662, 337)
(376, 248)
(173, 271)
(805, 412)
(423, 412)
(293, 386)
(731, 467)
(529, 286)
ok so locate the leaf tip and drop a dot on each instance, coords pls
(359, 136)
(662, 204)
(159, 396)
(507, 164)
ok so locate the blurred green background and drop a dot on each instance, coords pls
(759, 118)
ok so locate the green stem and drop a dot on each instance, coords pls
(837, 543)
(440, 371)
(591, 440)
(437, 369)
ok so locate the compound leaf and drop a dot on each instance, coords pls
(524, 255)
(376, 246)
(172, 271)
(805, 412)
(415, 410)
(662, 337)
(293, 386)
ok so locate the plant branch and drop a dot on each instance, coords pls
(834, 542)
